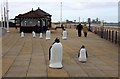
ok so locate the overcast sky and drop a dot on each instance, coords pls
(106, 10)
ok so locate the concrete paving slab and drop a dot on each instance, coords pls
(28, 57)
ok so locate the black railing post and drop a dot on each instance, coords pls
(101, 32)
(112, 36)
(109, 35)
(116, 37)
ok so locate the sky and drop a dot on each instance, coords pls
(119, 11)
(106, 10)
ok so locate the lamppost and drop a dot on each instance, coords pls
(89, 22)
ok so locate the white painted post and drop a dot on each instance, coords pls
(7, 16)
(4, 8)
(1, 15)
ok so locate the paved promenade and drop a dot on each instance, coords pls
(28, 57)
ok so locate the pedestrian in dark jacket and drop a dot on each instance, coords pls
(79, 28)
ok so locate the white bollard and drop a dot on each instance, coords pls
(48, 35)
(41, 35)
(56, 56)
(22, 34)
(64, 35)
(34, 34)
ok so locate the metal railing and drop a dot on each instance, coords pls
(108, 34)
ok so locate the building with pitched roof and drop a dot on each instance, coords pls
(34, 20)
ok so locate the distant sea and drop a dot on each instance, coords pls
(114, 25)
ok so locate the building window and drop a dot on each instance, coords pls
(30, 23)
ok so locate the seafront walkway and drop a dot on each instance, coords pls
(28, 56)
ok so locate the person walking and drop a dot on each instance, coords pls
(79, 28)
(85, 30)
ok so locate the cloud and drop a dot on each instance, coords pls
(89, 5)
(71, 8)
(119, 11)
(68, 1)
(34, 0)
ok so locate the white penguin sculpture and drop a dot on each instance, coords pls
(82, 55)
(22, 34)
(48, 34)
(34, 34)
(55, 55)
(41, 35)
(64, 35)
